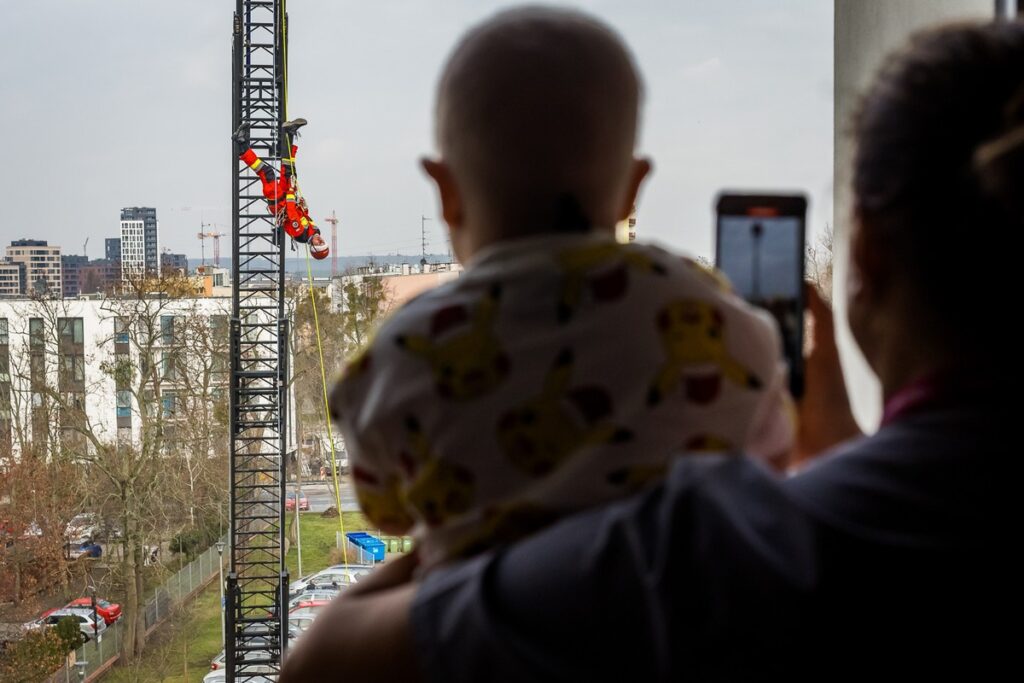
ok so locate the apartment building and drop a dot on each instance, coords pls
(140, 242)
(63, 362)
(12, 279)
(42, 266)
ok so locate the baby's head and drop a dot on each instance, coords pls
(536, 122)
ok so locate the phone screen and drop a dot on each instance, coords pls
(762, 254)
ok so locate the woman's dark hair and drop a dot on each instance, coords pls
(938, 175)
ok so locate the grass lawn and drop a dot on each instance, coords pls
(318, 539)
(192, 638)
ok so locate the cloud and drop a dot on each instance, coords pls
(704, 69)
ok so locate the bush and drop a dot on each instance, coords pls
(69, 633)
(34, 657)
(193, 541)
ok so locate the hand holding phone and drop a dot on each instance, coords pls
(759, 246)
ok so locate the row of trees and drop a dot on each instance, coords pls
(163, 472)
(160, 473)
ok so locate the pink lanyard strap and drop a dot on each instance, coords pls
(913, 396)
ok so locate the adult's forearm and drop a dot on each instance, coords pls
(360, 638)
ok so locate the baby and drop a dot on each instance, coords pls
(562, 369)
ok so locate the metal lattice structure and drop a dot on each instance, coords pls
(257, 584)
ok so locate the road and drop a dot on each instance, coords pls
(321, 495)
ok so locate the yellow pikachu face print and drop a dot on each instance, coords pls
(542, 433)
(437, 489)
(381, 501)
(603, 270)
(693, 337)
(466, 363)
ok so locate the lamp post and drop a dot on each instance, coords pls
(220, 573)
(95, 623)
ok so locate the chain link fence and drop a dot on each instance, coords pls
(177, 589)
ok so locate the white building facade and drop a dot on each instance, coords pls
(82, 359)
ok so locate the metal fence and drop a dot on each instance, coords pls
(170, 594)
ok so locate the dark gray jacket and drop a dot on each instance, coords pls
(889, 558)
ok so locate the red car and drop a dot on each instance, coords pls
(110, 611)
(289, 502)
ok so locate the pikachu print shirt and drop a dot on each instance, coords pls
(556, 373)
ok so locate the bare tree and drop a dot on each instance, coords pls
(819, 262)
(160, 361)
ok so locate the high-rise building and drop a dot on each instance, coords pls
(113, 252)
(42, 266)
(98, 275)
(70, 275)
(140, 241)
(12, 279)
(173, 263)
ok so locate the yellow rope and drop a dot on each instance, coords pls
(327, 413)
(312, 302)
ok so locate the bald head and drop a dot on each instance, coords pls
(537, 113)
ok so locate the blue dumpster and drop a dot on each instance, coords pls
(372, 545)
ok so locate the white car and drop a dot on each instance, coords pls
(338, 577)
(220, 676)
(83, 526)
(86, 625)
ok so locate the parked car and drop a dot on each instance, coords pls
(85, 549)
(110, 611)
(289, 502)
(339, 574)
(317, 598)
(300, 623)
(218, 661)
(304, 613)
(86, 625)
(82, 527)
(221, 676)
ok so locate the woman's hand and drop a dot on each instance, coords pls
(824, 414)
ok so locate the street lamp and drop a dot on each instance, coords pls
(95, 624)
(220, 572)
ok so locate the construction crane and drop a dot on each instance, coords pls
(215, 236)
(333, 220)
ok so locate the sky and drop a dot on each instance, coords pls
(113, 103)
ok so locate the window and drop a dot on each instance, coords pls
(124, 435)
(167, 329)
(124, 404)
(35, 332)
(72, 367)
(169, 402)
(168, 365)
(5, 369)
(120, 330)
(3, 332)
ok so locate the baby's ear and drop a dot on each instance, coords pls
(639, 170)
(448, 191)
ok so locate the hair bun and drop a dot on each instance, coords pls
(999, 168)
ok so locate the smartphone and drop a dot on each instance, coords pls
(759, 246)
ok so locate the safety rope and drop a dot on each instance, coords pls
(327, 413)
(312, 302)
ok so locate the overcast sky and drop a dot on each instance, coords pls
(112, 103)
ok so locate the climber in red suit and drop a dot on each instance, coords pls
(281, 193)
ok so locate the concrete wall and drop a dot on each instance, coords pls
(865, 32)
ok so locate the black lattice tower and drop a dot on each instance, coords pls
(257, 583)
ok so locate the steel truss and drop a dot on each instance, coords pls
(257, 583)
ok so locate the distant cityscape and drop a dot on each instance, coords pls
(34, 267)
